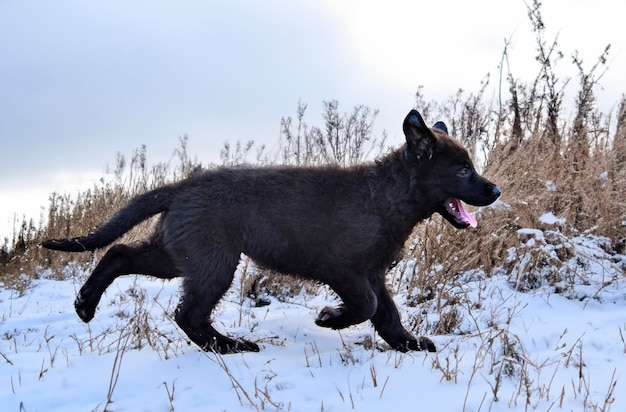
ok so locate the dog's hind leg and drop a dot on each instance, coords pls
(145, 258)
(387, 322)
(208, 275)
(359, 304)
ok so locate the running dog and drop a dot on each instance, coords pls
(339, 226)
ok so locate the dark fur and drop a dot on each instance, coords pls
(339, 226)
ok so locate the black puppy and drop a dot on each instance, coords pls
(339, 226)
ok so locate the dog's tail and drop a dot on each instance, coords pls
(136, 211)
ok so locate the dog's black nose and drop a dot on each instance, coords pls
(495, 192)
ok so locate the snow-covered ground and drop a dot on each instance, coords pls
(520, 348)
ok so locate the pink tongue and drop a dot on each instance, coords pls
(466, 216)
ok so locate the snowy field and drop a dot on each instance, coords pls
(517, 349)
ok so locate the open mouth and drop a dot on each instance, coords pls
(455, 208)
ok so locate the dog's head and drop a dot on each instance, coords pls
(446, 170)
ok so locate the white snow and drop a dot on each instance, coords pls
(532, 350)
(536, 233)
(550, 219)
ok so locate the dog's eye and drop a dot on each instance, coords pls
(464, 172)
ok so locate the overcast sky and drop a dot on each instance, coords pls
(83, 80)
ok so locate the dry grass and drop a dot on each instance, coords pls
(23, 259)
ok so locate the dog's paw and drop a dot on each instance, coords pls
(328, 317)
(85, 307)
(224, 345)
(412, 344)
(426, 344)
(244, 346)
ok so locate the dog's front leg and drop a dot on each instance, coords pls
(387, 322)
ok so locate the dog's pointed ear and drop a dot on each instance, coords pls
(441, 126)
(420, 140)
